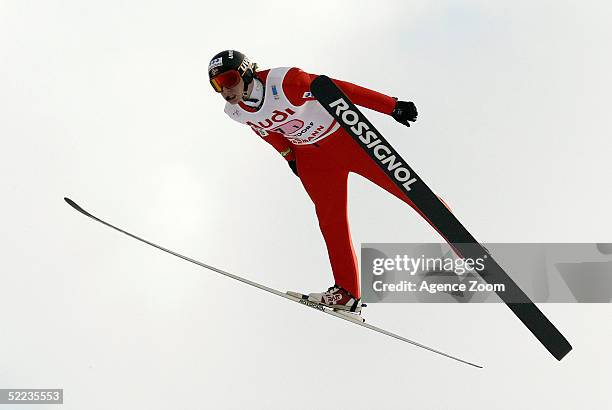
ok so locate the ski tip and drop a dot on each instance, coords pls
(76, 206)
(317, 81)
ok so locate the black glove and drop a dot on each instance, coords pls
(293, 166)
(404, 112)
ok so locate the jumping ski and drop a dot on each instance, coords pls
(465, 245)
(295, 297)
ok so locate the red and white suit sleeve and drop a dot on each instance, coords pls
(297, 84)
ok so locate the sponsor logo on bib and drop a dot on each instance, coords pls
(277, 117)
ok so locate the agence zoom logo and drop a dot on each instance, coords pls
(373, 142)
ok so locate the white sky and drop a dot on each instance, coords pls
(109, 103)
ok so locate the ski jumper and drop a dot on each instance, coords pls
(298, 127)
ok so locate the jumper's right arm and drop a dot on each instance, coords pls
(283, 146)
(280, 144)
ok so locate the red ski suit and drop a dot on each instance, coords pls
(323, 168)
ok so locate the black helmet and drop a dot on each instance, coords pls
(231, 62)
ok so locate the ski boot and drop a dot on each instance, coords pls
(338, 299)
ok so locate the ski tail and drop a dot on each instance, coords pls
(339, 106)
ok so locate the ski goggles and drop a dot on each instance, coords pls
(227, 79)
